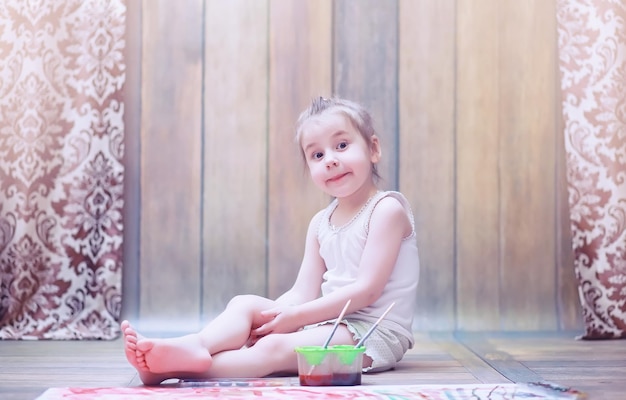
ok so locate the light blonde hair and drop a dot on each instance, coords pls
(357, 114)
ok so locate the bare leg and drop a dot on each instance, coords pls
(273, 354)
(190, 355)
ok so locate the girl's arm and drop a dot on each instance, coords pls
(389, 224)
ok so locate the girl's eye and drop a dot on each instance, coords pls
(317, 155)
(342, 145)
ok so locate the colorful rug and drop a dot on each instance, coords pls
(246, 389)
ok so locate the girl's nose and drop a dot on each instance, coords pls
(331, 161)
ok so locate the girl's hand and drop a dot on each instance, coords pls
(281, 319)
(252, 340)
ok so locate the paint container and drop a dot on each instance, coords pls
(339, 365)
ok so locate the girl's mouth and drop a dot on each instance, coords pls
(336, 178)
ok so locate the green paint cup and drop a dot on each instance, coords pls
(339, 365)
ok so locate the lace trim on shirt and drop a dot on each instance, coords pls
(333, 207)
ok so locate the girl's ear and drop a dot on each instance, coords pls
(375, 150)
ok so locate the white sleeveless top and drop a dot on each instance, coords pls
(342, 248)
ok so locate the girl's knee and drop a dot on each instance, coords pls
(243, 301)
(275, 345)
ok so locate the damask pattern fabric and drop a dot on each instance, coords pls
(592, 57)
(61, 173)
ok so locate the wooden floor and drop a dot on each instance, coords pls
(598, 368)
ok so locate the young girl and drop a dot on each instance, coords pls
(360, 248)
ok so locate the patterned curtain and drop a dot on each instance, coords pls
(61, 172)
(592, 58)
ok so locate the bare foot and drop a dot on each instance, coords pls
(130, 347)
(184, 353)
(136, 358)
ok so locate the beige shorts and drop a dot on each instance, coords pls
(384, 346)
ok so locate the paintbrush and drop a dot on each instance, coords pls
(369, 332)
(343, 312)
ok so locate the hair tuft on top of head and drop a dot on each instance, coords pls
(357, 114)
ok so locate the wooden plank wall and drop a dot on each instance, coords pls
(171, 169)
(465, 99)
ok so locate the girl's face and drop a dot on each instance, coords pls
(339, 158)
